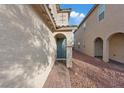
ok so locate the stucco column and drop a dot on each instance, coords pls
(69, 57)
(106, 50)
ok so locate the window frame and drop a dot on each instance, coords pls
(101, 12)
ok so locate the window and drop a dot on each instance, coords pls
(101, 16)
(101, 12)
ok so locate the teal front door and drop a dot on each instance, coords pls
(61, 48)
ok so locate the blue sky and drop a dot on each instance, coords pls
(79, 11)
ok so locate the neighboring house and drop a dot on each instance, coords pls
(63, 33)
(101, 33)
(31, 37)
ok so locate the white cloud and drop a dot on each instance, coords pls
(77, 17)
(82, 15)
(74, 14)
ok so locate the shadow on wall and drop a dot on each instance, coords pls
(26, 47)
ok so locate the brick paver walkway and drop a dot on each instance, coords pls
(58, 77)
(86, 72)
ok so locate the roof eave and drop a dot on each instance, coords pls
(91, 10)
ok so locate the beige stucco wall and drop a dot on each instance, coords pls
(112, 23)
(61, 18)
(27, 47)
(79, 39)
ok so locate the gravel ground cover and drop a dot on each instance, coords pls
(89, 72)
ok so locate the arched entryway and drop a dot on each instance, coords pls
(116, 47)
(61, 42)
(98, 48)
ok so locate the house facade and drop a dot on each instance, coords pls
(101, 33)
(30, 36)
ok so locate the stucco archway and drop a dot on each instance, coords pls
(61, 42)
(98, 48)
(116, 47)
